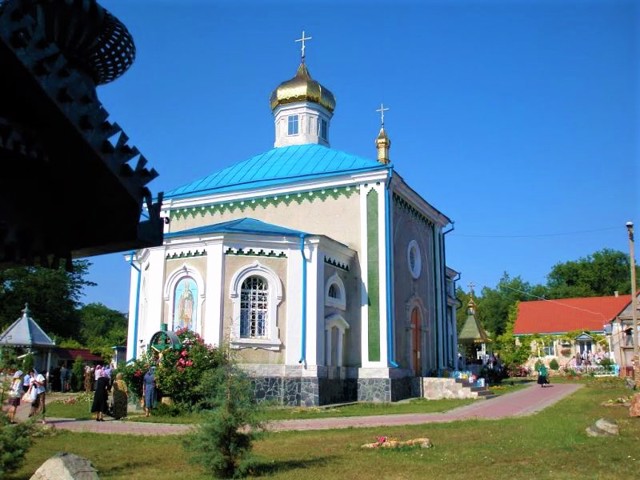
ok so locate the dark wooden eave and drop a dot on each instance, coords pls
(70, 184)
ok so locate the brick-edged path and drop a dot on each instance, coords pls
(527, 401)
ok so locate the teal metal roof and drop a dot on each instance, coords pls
(279, 166)
(242, 225)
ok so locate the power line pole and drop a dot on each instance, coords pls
(634, 307)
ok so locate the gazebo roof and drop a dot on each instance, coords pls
(472, 331)
(25, 332)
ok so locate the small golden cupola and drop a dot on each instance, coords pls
(383, 143)
(302, 108)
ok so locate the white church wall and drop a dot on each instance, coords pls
(214, 289)
(330, 215)
(151, 296)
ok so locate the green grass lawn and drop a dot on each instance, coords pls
(549, 445)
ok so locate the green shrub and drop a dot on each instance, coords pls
(553, 365)
(15, 441)
(222, 442)
(538, 364)
(77, 375)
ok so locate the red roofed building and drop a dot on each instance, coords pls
(608, 316)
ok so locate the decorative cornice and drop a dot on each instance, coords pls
(253, 253)
(337, 264)
(263, 202)
(187, 254)
(404, 205)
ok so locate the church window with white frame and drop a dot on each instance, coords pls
(292, 125)
(254, 307)
(322, 128)
(255, 292)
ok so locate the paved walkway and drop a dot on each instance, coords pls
(523, 402)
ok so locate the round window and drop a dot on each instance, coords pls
(414, 259)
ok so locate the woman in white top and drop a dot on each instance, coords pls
(15, 392)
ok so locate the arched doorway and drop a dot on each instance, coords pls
(415, 342)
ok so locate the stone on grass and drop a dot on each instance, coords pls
(603, 427)
(66, 466)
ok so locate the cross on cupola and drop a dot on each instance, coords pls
(303, 46)
(382, 110)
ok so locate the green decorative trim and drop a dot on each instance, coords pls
(373, 275)
(402, 204)
(335, 263)
(263, 202)
(252, 253)
(189, 254)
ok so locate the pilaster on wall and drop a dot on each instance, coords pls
(314, 290)
(133, 307)
(293, 334)
(214, 289)
(374, 301)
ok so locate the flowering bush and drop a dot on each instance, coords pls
(180, 371)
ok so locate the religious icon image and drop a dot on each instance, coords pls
(184, 311)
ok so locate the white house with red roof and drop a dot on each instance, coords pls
(609, 317)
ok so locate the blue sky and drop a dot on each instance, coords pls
(517, 119)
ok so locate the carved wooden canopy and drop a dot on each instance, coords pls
(70, 183)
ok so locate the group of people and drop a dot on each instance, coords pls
(103, 386)
(110, 395)
(30, 388)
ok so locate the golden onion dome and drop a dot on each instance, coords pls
(302, 88)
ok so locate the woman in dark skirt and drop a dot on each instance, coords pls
(543, 376)
(101, 398)
(120, 397)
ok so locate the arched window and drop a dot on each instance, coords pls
(336, 294)
(254, 308)
(256, 292)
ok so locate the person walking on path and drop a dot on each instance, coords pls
(149, 390)
(543, 376)
(38, 383)
(100, 398)
(120, 397)
(15, 392)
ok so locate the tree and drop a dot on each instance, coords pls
(102, 328)
(222, 443)
(53, 296)
(493, 305)
(15, 442)
(597, 275)
(511, 354)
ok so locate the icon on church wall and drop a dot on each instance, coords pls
(184, 312)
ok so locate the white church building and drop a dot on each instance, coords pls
(324, 271)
